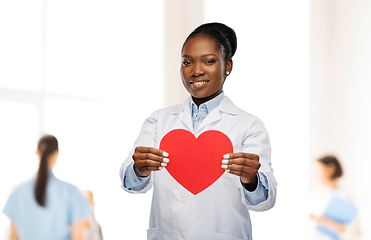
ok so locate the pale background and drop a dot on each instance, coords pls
(91, 71)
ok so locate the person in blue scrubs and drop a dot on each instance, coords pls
(45, 207)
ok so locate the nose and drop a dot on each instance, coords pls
(197, 70)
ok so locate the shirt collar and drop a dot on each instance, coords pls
(209, 105)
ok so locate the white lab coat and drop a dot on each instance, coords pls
(221, 211)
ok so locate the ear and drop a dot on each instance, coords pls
(332, 168)
(38, 153)
(229, 66)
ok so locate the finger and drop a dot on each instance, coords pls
(152, 150)
(147, 156)
(242, 174)
(149, 163)
(241, 155)
(255, 164)
(239, 161)
(240, 168)
(151, 169)
(244, 161)
(145, 171)
(142, 153)
(243, 169)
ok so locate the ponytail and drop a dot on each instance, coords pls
(47, 146)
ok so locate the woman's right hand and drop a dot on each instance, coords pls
(148, 159)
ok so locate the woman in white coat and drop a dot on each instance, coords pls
(201, 192)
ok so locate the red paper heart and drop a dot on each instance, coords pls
(195, 163)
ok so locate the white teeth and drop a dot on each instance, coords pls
(199, 83)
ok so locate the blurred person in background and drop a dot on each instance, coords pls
(92, 231)
(45, 207)
(334, 212)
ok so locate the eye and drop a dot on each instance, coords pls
(210, 61)
(186, 63)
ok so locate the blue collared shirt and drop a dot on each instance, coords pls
(64, 205)
(200, 113)
(135, 183)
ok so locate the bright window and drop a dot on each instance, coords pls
(84, 72)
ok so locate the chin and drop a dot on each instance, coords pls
(200, 96)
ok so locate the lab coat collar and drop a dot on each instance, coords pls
(228, 106)
(184, 113)
(225, 106)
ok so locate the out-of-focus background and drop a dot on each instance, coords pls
(91, 71)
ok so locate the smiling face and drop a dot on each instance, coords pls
(203, 69)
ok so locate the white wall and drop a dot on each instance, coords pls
(181, 18)
(270, 79)
(340, 93)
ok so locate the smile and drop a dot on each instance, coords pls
(199, 83)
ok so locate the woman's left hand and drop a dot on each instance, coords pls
(245, 165)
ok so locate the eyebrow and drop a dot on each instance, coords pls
(205, 55)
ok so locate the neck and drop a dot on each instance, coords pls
(199, 101)
(332, 184)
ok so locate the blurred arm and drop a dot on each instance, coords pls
(13, 232)
(77, 228)
(338, 227)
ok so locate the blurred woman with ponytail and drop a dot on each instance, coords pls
(45, 207)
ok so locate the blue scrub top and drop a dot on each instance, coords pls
(64, 205)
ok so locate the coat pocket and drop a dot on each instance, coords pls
(152, 234)
(219, 236)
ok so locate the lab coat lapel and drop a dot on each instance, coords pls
(212, 117)
(226, 106)
(184, 114)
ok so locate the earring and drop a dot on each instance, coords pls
(227, 73)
